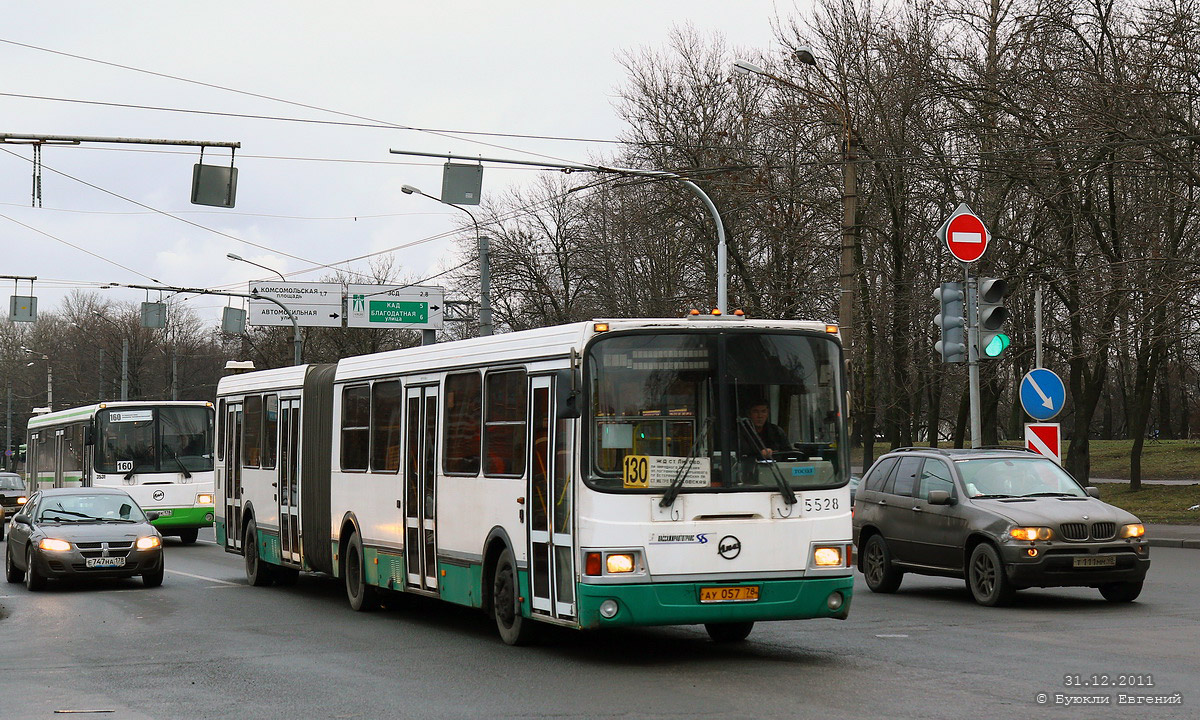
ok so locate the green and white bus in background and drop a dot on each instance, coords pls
(590, 475)
(161, 453)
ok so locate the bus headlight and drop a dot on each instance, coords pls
(204, 499)
(54, 545)
(827, 556)
(619, 563)
(149, 542)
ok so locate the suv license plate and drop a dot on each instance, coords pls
(1097, 561)
(736, 593)
(103, 562)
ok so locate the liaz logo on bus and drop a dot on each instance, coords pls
(729, 547)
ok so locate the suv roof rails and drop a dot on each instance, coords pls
(1013, 448)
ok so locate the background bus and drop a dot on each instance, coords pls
(161, 453)
(587, 475)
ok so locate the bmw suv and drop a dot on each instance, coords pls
(1002, 520)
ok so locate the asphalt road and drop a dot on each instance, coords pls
(206, 645)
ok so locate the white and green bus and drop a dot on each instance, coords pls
(590, 475)
(161, 453)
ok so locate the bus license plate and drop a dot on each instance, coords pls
(737, 593)
(165, 513)
(1097, 561)
(103, 562)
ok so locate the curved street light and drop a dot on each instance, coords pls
(49, 375)
(848, 270)
(295, 327)
(485, 280)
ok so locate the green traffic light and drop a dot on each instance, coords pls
(998, 344)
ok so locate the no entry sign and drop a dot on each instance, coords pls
(964, 234)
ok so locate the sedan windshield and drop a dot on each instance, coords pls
(89, 508)
(1017, 477)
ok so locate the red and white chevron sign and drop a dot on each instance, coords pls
(1043, 438)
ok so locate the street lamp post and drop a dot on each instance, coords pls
(485, 280)
(849, 188)
(295, 326)
(49, 375)
(124, 353)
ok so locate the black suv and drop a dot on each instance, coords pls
(1002, 519)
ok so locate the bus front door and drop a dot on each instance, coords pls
(231, 488)
(551, 566)
(289, 487)
(420, 487)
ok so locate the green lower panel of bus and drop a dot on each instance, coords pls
(219, 527)
(190, 517)
(679, 603)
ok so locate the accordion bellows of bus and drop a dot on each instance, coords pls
(160, 452)
(605, 473)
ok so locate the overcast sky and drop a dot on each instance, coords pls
(513, 66)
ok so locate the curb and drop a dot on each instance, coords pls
(1175, 543)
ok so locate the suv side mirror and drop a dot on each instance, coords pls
(1092, 491)
(940, 497)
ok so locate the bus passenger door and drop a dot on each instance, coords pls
(231, 489)
(551, 565)
(420, 487)
(59, 442)
(289, 490)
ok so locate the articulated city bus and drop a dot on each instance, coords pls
(161, 453)
(589, 475)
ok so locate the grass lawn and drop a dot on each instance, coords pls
(1161, 460)
(1155, 503)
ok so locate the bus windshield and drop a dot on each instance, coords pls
(715, 411)
(171, 439)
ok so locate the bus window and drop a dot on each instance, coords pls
(464, 400)
(386, 408)
(504, 423)
(187, 438)
(356, 427)
(126, 443)
(252, 432)
(270, 434)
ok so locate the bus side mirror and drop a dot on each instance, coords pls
(568, 396)
(89, 435)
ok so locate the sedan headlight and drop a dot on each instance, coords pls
(1136, 530)
(54, 545)
(204, 499)
(149, 543)
(1031, 533)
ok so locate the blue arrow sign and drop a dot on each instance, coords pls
(1042, 394)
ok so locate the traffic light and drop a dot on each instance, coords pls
(953, 323)
(993, 341)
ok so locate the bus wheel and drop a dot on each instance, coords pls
(361, 595)
(258, 573)
(506, 603)
(188, 536)
(729, 632)
(12, 573)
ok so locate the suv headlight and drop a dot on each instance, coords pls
(1031, 533)
(1135, 530)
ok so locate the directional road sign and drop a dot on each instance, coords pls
(964, 234)
(1042, 394)
(313, 304)
(403, 307)
(1045, 439)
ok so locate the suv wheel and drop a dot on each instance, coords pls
(881, 575)
(1121, 591)
(986, 579)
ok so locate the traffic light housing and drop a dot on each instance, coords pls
(993, 340)
(952, 322)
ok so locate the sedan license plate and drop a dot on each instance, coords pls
(1096, 561)
(736, 593)
(103, 562)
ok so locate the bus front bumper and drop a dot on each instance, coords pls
(679, 603)
(185, 517)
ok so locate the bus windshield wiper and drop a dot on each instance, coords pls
(668, 498)
(785, 490)
(179, 462)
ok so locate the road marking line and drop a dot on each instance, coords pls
(203, 577)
